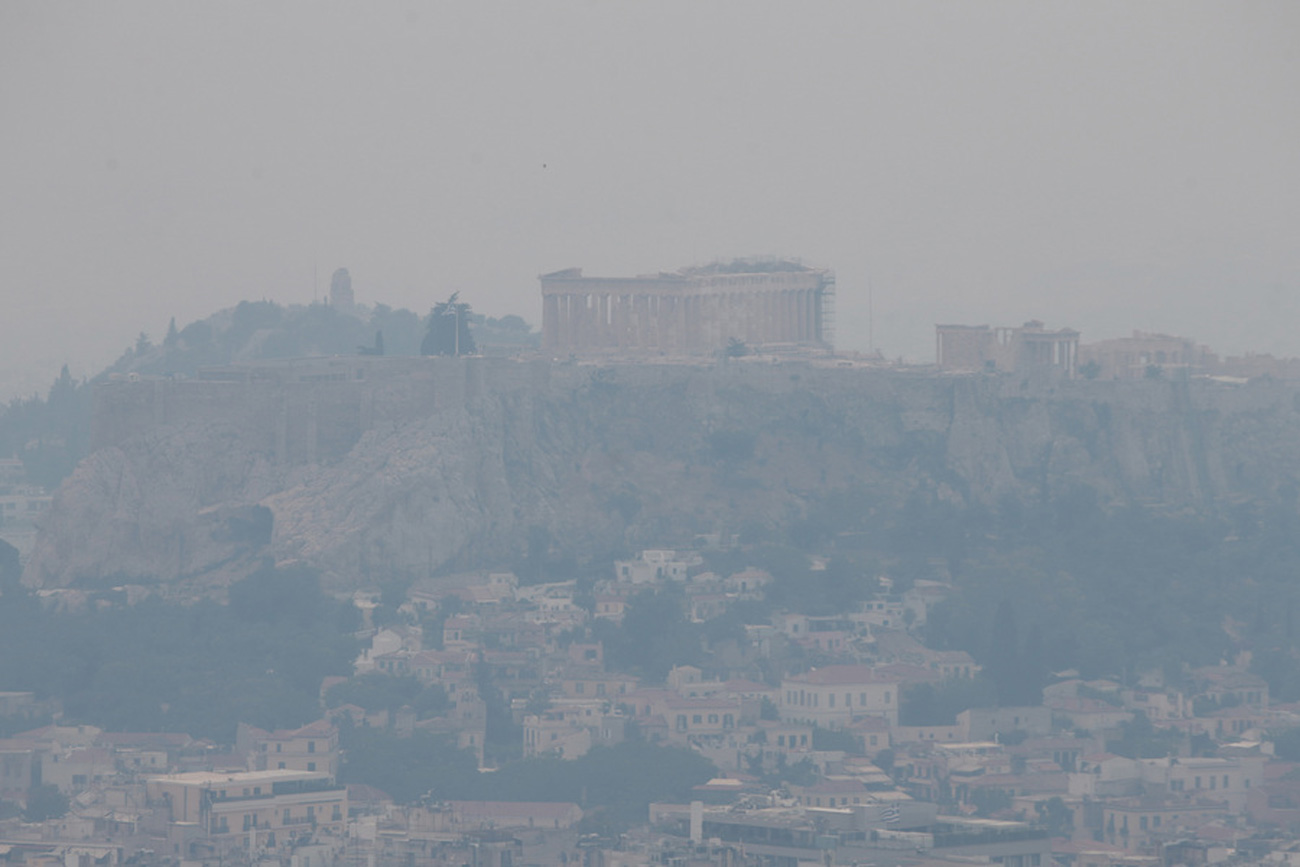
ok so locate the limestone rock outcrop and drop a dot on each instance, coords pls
(463, 463)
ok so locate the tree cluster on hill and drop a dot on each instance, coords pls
(623, 780)
(48, 435)
(379, 692)
(447, 329)
(52, 434)
(1036, 588)
(200, 669)
(1069, 584)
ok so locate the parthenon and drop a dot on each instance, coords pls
(691, 311)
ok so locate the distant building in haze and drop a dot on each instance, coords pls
(1031, 347)
(693, 311)
(341, 298)
(1142, 354)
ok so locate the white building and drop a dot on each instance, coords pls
(833, 696)
(654, 565)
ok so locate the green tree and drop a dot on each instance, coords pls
(1055, 816)
(926, 704)
(988, 801)
(407, 768)
(448, 329)
(654, 636)
(45, 802)
(382, 692)
(834, 739)
(1004, 661)
(11, 569)
(1140, 740)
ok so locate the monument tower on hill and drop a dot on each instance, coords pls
(341, 298)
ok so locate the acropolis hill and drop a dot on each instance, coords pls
(374, 467)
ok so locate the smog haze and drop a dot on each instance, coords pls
(1102, 166)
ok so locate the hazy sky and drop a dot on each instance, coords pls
(1107, 166)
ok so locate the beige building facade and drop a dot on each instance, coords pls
(258, 809)
(833, 696)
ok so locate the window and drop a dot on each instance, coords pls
(277, 747)
(886, 696)
(311, 766)
(862, 699)
(832, 700)
(697, 718)
(280, 766)
(337, 815)
(311, 746)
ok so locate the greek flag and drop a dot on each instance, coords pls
(889, 814)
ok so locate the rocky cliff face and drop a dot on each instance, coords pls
(600, 458)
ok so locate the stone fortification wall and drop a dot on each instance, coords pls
(292, 413)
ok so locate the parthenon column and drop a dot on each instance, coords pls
(620, 319)
(602, 319)
(562, 333)
(580, 326)
(550, 320)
